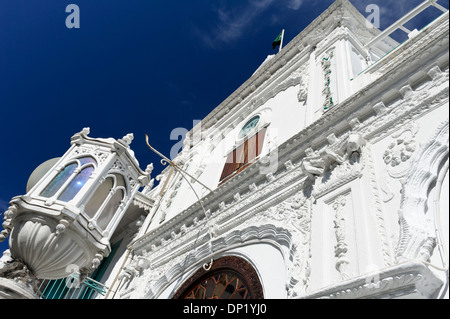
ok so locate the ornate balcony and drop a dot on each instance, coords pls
(70, 212)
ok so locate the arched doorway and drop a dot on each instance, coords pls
(229, 278)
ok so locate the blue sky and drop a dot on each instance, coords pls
(138, 66)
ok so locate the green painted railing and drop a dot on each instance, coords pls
(72, 288)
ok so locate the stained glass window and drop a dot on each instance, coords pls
(59, 181)
(222, 285)
(230, 277)
(76, 184)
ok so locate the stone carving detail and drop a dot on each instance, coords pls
(312, 164)
(7, 222)
(341, 248)
(343, 163)
(386, 284)
(417, 233)
(302, 94)
(127, 139)
(298, 77)
(17, 271)
(295, 212)
(401, 150)
(397, 157)
(340, 151)
(326, 68)
(377, 211)
(118, 166)
(98, 154)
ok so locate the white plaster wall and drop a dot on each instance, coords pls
(288, 115)
(285, 116)
(360, 234)
(269, 263)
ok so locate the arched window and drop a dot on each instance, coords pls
(229, 278)
(106, 200)
(71, 179)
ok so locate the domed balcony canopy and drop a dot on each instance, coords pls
(73, 205)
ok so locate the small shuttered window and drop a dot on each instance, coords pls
(243, 156)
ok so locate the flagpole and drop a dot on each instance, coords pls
(281, 43)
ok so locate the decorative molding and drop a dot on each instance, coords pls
(166, 269)
(397, 157)
(340, 228)
(377, 211)
(295, 214)
(411, 278)
(143, 201)
(345, 160)
(95, 151)
(326, 69)
(398, 153)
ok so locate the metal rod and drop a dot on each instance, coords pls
(182, 172)
(167, 160)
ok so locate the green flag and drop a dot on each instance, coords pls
(277, 41)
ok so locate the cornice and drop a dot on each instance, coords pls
(409, 278)
(143, 201)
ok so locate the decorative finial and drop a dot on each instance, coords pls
(127, 139)
(83, 133)
(149, 169)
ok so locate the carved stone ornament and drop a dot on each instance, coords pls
(295, 211)
(340, 229)
(344, 161)
(49, 253)
(127, 139)
(418, 236)
(327, 70)
(397, 157)
(312, 164)
(400, 150)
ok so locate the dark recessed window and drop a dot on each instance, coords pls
(243, 156)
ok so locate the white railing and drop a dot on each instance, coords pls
(407, 17)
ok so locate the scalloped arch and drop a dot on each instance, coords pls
(416, 228)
